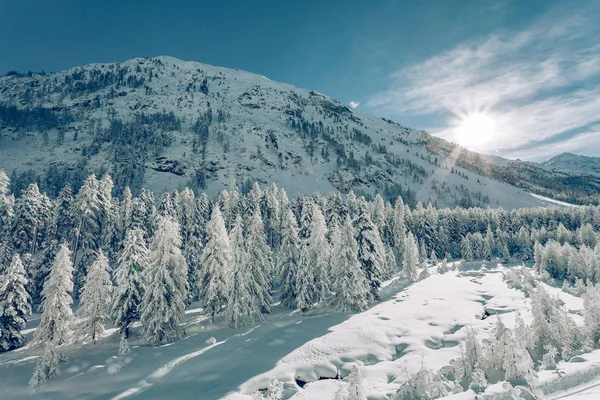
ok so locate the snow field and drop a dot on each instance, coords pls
(421, 326)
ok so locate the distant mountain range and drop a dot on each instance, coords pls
(576, 163)
(164, 123)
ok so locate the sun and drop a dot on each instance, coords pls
(475, 130)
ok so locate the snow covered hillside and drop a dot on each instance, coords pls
(162, 123)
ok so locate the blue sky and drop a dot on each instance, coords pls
(531, 67)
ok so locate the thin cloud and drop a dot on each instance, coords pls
(354, 104)
(535, 84)
(583, 143)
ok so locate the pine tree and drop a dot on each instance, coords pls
(410, 259)
(240, 307)
(349, 282)
(62, 216)
(424, 271)
(124, 346)
(304, 280)
(32, 213)
(125, 213)
(46, 368)
(378, 212)
(591, 307)
(56, 301)
(517, 364)
(288, 260)
(466, 250)
(538, 256)
(14, 305)
(216, 265)
(433, 258)
(89, 211)
(422, 252)
(318, 249)
(95, 299)
(129, 283)
(371, 252)
(356, 390)
(488, 244)
(270, 210)
(260, 263)
(163, 303)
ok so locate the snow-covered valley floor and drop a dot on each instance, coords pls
(412, 327)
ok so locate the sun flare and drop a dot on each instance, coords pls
(475, 130)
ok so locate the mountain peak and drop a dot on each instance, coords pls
(575, 163)
(164, 123)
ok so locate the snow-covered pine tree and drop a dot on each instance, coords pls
(318, 249)
(335, 210)
(433, 258)
(32, 213)
(304, 280)
(422, 253)
(240, 307)
(472, 357)
(253, 200)
(356, 391)
(56, 301)
(203, 212)
(488, 244)
(538, 256)
(14, 305)
(236, 204)
(62, 216)
(270, 210)
(349, 282)
(123, 346)
(125, 213)
(424, 270)
(46, 368)
(129, 284)
(466, 251)
(95, 299)
(163, 303)
(371, 251)
(497, 347)
(591, 308)
(216, 265)
(260, 263)
(517, 364)
(288, 259)
(378, 213)
(167, 207)
(149, 219)
(89, 212)
(410, 259)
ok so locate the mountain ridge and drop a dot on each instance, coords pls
(166, 123)
(574, 162)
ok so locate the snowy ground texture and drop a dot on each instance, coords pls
(415, 326)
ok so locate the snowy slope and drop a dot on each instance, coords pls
(574, 162)
(260, 130)
(414, 326)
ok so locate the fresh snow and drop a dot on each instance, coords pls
(413, 327)
(552, 201)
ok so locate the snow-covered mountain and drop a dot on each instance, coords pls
(164, 123)
(573, 162)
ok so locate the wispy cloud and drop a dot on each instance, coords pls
(583, 143)
(354, 104)
(536, 84)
